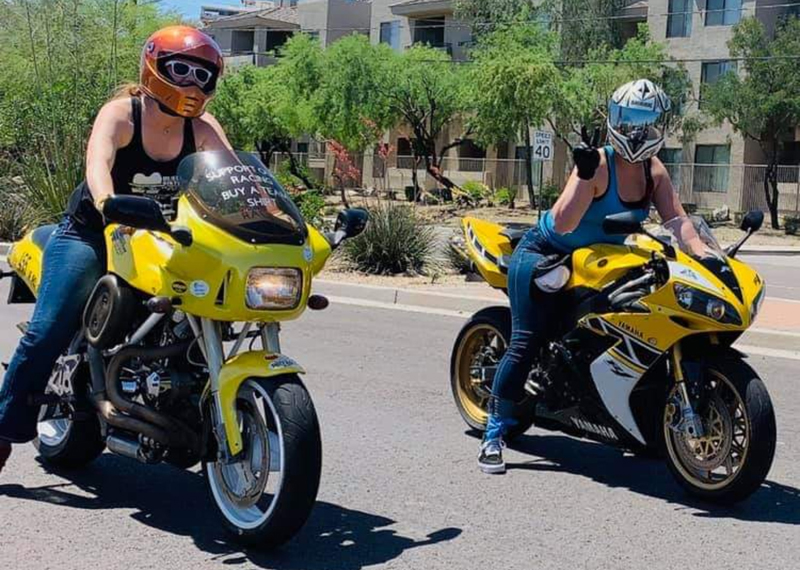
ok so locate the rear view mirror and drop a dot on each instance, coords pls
(351, 222)
(137, 212)
(624, 223)
(752, 221)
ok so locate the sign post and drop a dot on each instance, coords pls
(542, 152)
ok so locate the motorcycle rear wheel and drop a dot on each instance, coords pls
(733, 458)
(265, 498)
(482, 342)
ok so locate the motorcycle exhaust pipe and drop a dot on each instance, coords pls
(125, 447)
(179, 434)
(107, 398)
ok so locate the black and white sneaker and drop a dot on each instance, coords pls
(490, 459)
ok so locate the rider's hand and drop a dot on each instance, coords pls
(586, 155)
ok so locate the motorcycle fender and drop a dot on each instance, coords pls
(257, 364)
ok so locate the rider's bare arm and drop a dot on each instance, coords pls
(112, 130)
(210, 135)
(577, 196)
(668, 203)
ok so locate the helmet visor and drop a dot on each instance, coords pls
(636, 124)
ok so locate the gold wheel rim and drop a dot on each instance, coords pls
(482, 345)
(721, 454)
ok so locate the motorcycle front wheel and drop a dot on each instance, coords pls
(732, 458)
(266, 496)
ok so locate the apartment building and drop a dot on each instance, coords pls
(719, 167)
(252, 36)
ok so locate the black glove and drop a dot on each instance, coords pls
(586, 155)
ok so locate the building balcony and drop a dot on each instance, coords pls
(418, 8)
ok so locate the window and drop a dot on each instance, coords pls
(242, 41)
(390, 34)
(404, 153)
(429, 31)
(712, 71)
(672, 159)
(712, 164)
(679, 20)
(723, 12)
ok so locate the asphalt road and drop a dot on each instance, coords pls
(781, 272)
(400, 487)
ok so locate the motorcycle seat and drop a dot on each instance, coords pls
(514, 234)
(42, 235)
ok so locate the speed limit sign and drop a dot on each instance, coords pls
(542, 145)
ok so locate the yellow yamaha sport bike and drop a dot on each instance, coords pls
(179, 358)
(641, 357)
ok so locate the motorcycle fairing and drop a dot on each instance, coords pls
(210, 276)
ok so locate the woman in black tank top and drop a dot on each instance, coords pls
(137, 142)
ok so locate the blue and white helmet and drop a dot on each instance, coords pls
(637, 119)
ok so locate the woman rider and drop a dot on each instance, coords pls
(622, 177)
(137, 142)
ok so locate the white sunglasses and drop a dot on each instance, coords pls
(181, 71)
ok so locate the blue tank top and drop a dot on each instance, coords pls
(590, 228)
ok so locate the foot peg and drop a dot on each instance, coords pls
(23, 327)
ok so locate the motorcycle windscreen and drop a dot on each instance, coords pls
(236, 192)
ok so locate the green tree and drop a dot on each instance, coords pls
(61, 61)
(428, 92)
(763, 104)
(256, 108)
(514, 82)
(584, 91)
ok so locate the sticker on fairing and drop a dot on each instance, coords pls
(283, 362)
(308, 254)
(199, 288)
(685, 273)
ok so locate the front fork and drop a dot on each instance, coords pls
(690, 423)
(211, 345)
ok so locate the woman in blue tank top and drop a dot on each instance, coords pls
(137, 141)
(624, 176)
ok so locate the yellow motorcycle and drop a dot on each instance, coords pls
(641, 357)
(179, 358)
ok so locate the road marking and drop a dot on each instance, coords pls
(770, 352)
(776, 332)
(3, 258)
(399, 307)
(782, 300)
(411, 291)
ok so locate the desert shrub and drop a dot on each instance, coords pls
(312, 206)
(395, 241)
(791, 225)
(14, 213)
(504, 196)
(474, 192)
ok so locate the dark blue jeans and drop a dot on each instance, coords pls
(74, 259)
(531, 310)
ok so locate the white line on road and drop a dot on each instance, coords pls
(776, 332)
(770, 352)
(756, 350)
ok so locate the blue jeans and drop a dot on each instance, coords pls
(531, 310)
(74, 259)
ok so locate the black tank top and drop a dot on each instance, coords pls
(134, 172)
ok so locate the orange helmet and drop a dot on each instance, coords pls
(179, 69)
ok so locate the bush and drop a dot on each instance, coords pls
(791, 225)
(504, 196)
(396, 241)
(14, 213)
(474, 192)
(312, 206)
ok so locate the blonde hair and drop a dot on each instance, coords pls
(127, 90)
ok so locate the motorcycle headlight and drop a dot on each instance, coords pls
(274, 288)
(755, 309)
(705, 304)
